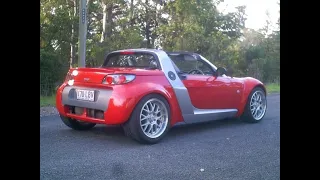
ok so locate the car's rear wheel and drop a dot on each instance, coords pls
(150, 120)
(256, 106)
(75, 124)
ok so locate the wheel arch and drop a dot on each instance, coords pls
(131, 128)
(260, 86)
(169, 96)
(159, 93)
(249, 85)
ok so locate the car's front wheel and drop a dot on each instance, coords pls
(256, 106)
(75, 124)
(150, 120)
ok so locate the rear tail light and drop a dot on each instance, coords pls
(70, 77)
(118, 78)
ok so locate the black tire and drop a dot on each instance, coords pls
(76, 125)
(132, 127)
(247, 115)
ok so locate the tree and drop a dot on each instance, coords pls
(187, 25)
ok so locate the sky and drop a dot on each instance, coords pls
(255, 10)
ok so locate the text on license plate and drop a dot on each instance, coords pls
(86, 95)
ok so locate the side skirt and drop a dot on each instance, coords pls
(204, 115)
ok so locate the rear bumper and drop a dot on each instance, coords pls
(107, 108)
(102, 97)
(86, 118)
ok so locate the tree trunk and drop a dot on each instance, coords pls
(72, 15)
(131, 14)
(155, 35)
(73, 46)
(104, 22)
(147, 25)
(109, 20)
(181, 30)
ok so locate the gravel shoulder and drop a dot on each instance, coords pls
(48, 111)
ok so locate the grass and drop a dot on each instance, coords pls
(47, 101)
(273, 88)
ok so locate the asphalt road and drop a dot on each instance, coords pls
(218, 150)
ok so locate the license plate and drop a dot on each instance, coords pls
(86, 95)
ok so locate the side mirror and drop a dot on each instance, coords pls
(221, 71)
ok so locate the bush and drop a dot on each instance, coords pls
(52, 72)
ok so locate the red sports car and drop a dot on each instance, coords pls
(147, 91)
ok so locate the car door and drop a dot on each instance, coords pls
(211, 92)
(206, 91)
(225, 93)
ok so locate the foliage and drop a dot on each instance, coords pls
(188, 25)
(50, 71)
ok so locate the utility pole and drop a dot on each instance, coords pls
(82, 33)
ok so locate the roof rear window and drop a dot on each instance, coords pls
(132, 60)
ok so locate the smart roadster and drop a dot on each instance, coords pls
(147, 91)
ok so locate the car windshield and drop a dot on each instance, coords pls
(203, 58)
(134, 60)
(183, 63)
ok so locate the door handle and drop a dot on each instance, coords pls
(182, 76)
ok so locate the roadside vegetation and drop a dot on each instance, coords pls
(197, 26)
(47, 101)
(273, 88)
